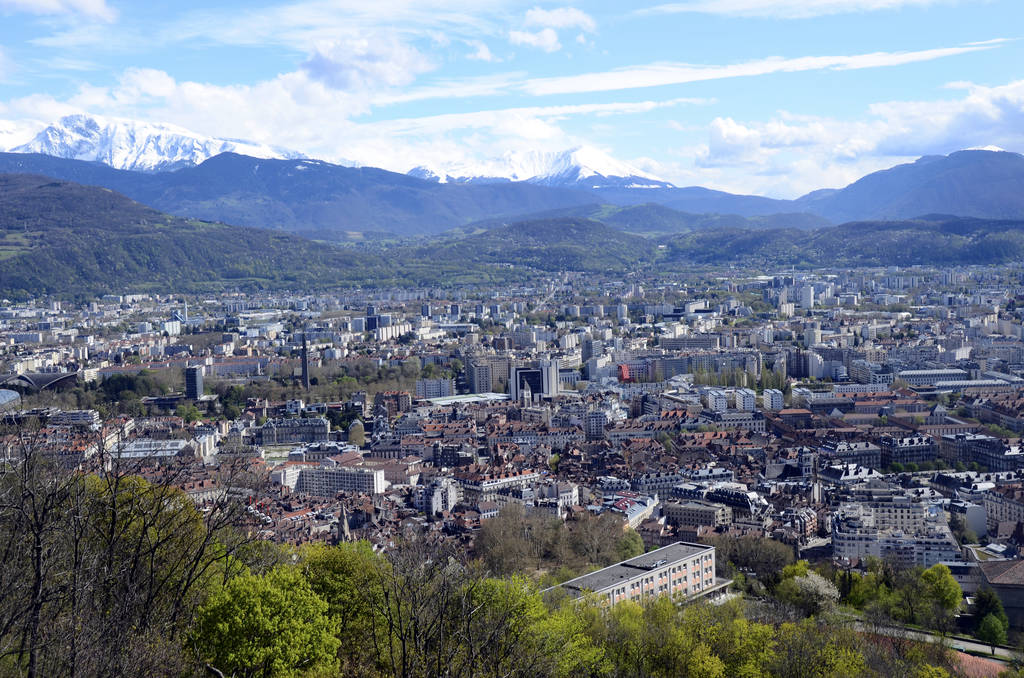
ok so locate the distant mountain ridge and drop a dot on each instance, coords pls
(580, 167)
(138, 146)
(974, 183)
(265, 186)
(67, 239)
(652, 219)
(320, 199)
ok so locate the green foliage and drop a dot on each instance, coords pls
(630, 544)
(566, 244)
(189, 412)
(992, 630)
(806, 590)
(929, 597)
(986, 603)
(941, 588)
(938, 240)
(357, 434)
(266, 626)
(513, 542)
(344, 576)
(87, 240)
(766, 558)
(102, 574)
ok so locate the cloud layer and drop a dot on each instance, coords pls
(786, 9)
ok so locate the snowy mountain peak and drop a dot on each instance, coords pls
(580, 167)
(139, 146)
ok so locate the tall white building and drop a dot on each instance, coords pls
(807, 296)
(549, 376)
(716, 400)
(886, 523)
(744, 399)
(435, 388)
(328, 480)
(681, 569)
(772, 399)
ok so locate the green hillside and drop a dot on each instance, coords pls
(63, 238)
(935, 240)
(562, 244)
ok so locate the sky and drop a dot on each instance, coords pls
(769, 97)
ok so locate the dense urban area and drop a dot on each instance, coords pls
(719, 474)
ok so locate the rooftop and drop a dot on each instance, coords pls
(628, 569)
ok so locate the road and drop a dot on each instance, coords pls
(957, 643)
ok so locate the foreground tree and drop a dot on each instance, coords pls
(269, 626)
(103, 571)
(992, 631)
(345, 576)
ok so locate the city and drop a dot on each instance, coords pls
(511, 339)
(855, 417)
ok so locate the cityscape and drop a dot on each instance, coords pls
(511, 340)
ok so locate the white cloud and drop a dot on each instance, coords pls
(792, 154)
(297, 24)
(481, 86)
(786, 9)
(498, 118)
(481, 52)
(660, 74)
(366, 62)
(545, 39)
(563, 17)
(300, 112)
(547, 21)
(97, 9)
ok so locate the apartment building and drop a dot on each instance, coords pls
(886, 523)
(683, 570)
(696, 513)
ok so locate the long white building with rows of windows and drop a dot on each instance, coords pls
(682, 569)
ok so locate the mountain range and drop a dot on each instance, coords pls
(138, 146)
(70, 240)
(583, 167)
(262, 186)
(315, 198)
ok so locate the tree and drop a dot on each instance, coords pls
(344, 575)
(189, 412)
(986, 602)
(810, 592)
(571, 651)
(266, 626)
(102, 573)
(629, 545)
(943, 593)
(992, 631)
(357, 433)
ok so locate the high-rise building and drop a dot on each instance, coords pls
(305, 362)
(807, 297)
(772, 399)
(478, 377)
(525, 378)
(549, 377)
(194, 382)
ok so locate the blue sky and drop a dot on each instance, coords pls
(775, 97)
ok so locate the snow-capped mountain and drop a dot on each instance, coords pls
(139, 146)
(580, 167)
